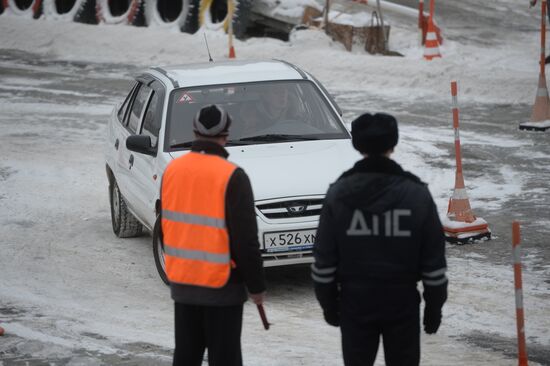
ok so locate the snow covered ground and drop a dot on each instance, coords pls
(72, 293)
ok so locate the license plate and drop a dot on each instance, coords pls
(284, 241)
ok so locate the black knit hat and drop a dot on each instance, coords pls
(212, 121)
(374, 134)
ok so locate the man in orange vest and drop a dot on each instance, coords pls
(211, 245)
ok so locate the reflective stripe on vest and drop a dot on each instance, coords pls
(196, 241)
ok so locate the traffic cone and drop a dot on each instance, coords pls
(431, 47)
(541, 109)
(231, 51)
(540, 117)
(424, 31)
(461, 225)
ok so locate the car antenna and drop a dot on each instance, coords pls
(208, 49)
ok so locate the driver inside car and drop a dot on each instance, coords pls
(275, 104)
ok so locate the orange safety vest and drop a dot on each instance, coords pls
(195, 236)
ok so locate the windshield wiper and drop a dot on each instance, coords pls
(236, 143)
(253, 139)
(277, 137)
(190, 143)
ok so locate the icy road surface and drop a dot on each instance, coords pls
(71, 293)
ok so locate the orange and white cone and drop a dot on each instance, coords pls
(540, 117)
(431, 46)
(461, 225)
(459, 204)
(541, 108)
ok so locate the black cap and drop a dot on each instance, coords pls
(374, 134)
(212, 121)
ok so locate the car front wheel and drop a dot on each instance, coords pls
(158, 251)
(125, 225)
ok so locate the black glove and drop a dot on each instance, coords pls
(332, 317)
(432, 319)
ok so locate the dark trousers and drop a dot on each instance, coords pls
(216, 328)
(401, 339)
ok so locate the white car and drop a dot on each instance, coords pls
(291, 149)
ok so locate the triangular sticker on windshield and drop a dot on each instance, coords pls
(185, 98)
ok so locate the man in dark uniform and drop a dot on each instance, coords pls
(210, 237)
(379, 234)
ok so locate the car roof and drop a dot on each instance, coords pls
(229, 72)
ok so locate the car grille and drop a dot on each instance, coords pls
(291, 208)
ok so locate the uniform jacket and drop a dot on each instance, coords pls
(243, 242)
(379, 234)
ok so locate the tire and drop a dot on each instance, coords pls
(158, 251)
(65, 11)
(166, 19)
(107, 15)
(209, 11)
(241, 20)
(125, 225)
(34, 9)
(87, 14)
(192, 23)
(213, 14)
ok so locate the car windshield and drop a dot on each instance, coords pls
(265, 112)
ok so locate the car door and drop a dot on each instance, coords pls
(125, 160)
(116, 130)
(144, 179)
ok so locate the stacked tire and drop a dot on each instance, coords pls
(181, 15)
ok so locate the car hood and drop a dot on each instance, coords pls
(292, 169)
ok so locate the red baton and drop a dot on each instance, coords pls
(262, 315)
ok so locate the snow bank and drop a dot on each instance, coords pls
(503, 74)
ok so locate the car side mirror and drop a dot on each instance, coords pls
(140, 144)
